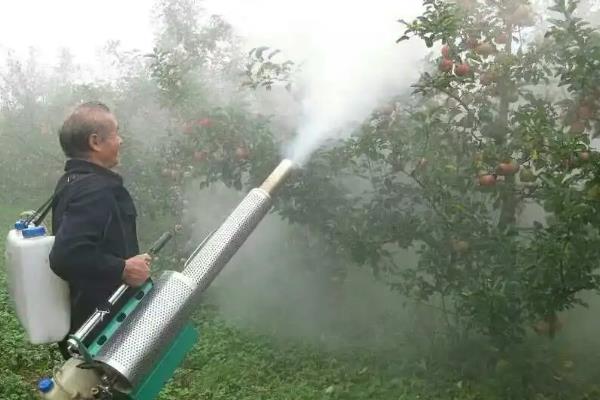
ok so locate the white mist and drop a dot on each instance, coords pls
(348, 52)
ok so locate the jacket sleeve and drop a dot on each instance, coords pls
(77, 254)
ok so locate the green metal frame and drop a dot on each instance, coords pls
(116, 322)
(170, 361)
(150, 388)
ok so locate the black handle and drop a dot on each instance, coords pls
(160, 243)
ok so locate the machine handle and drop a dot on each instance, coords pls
(98, 315)
(160, 243)
(156, 247)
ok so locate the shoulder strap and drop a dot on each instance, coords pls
(38, 216)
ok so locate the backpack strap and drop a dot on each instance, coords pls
(38, 216)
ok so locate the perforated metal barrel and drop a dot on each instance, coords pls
(225, 241)
(139, 343)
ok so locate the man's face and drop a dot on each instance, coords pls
(106, 146)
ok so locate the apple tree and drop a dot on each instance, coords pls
(503, 123)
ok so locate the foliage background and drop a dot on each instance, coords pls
(480, 274)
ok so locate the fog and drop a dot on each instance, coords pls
(283, 282)
(349, 57)
(276, 284)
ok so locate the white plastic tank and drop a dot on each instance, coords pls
(40, 298)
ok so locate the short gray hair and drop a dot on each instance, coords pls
(85, 120)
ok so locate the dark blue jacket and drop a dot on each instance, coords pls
(94, 223)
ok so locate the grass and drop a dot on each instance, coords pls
(226, 363)
(21, 364)
(229, 363)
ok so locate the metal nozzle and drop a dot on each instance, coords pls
(138, 344)
(277, 177)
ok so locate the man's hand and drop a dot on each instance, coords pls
(137, 270)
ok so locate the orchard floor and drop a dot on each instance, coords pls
(232, 364)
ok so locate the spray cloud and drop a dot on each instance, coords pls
(349, 57)
(350, 63)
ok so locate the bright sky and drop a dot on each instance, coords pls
(85, 26)
(294, 25)
(81, 26)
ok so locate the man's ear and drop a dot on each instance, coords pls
(94, 141)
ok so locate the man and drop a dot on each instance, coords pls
(93, 216)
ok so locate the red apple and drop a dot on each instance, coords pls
(200, 155)
(460, 246)
(487, 180)
(446, 65)
(485, 49)
(187, 128)
(507, 168)
(522, 16)
(502, 38)
(584, 155)
(548, 326)
(462, 69)
(577, 128)
(472, 43)
(568, 163)
(446, 51)
(204, 122)
(585, 112)
(242, 153)
(422, 163)
(487, 78)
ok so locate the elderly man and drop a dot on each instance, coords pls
(93, 216)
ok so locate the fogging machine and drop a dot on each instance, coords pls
(147, 338)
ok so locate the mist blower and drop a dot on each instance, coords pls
(137, 351)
